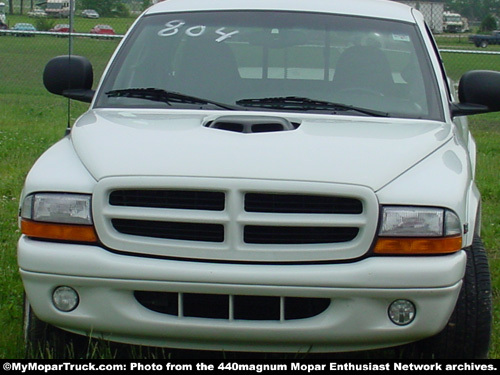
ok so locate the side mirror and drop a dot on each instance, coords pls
(479, 92)
(70, 76)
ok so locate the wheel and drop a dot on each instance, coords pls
(484, 44)
(467, 334)
(45, 341)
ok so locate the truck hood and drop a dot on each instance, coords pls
(339, 149)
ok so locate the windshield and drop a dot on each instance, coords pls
(246, 57)
(453, 19)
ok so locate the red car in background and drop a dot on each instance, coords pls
(61, 28)
(102, 30)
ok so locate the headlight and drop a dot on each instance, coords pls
(418, 230)
(58, 208)
(58, 216)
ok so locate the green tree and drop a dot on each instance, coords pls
(489, 23)
(44, 24)
(104, 7)
(474, 9)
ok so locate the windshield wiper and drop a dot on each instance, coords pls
(160, 95)
(299, 103)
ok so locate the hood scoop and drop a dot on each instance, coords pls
(252, 124)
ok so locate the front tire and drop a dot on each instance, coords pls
(44, 341)
(467, 334)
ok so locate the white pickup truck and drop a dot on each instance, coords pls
(265, 176)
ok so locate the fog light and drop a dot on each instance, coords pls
(402, 312)
(65, 298)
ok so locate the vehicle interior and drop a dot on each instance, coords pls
(373, 64)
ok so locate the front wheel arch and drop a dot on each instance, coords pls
(45, 341)
(468, 331)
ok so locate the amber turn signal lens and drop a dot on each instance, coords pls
(61, 232)
(418, 246)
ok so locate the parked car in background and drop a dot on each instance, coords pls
(23, 26)
(61, 28)
(90, 13)
(102, 30)
(36, 13)
(483, 41)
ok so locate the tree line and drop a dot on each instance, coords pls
(476, 10)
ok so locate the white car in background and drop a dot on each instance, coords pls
(268, 176)
(89, 13)
(37, 12)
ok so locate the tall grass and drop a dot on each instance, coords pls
(31, 120)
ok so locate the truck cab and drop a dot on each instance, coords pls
(57, 8)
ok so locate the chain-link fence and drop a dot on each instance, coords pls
(24, 52)
(30, 40)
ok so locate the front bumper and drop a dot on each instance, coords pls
(356, 318)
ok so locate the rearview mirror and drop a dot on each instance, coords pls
(70, 76)
(478, 92)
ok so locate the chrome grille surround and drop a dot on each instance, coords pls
(356, 224)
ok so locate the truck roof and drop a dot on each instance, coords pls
(365, 8)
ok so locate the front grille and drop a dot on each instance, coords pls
(228, 219)
(229, 307)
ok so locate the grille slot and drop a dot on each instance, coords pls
(176, 199)
(228, 307)
(301, 204)
(256, 234)
(171, 230)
